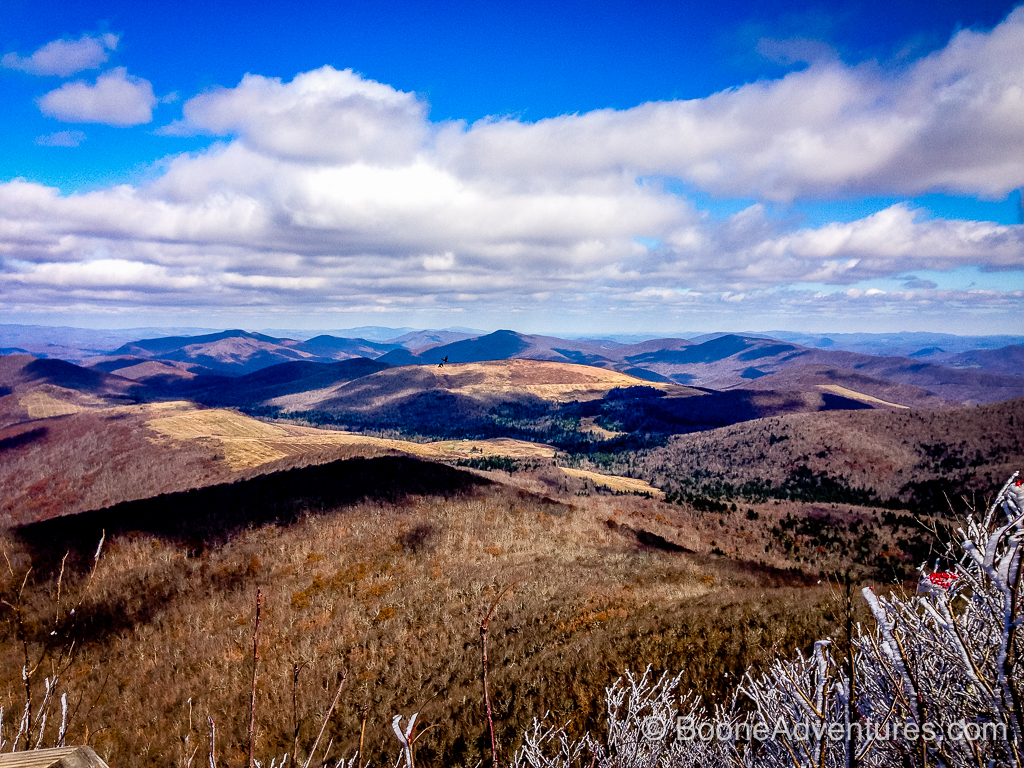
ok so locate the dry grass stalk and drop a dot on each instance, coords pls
(255, 670)
(296, 669)
(337, 695)
(365, 712)
(487, 696)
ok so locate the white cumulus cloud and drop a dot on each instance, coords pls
(65, 57)
(953, 120)
(116, 98)
(321, 115)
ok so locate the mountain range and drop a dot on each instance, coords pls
(576, 395)
(191, 364)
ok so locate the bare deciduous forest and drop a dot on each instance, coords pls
(392, 593)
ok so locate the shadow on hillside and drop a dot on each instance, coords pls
(766, 575)
(23, 438)
(647, 538)
(209, 515)
(642, 409)
(71, 376)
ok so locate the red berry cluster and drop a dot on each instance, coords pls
(941, 579)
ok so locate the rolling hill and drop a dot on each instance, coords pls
(493, 381)
(382, 567)
(334, 348)
(421, 340)
(921, 459)
(877, 392)
(280, 380)
(33, 388)
(63, 452)
(571, 406)
(902, 344)
(230, 352)
(74, 438)
(798, 462)
(1009, 359)
(78, 344)
(478, 400)
(505, 345)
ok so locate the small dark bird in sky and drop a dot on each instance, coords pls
(441, 364)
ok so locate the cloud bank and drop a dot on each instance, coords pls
(332, 193)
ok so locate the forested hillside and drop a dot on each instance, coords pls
(915, 459)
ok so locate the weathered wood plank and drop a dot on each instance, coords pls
(59, 757)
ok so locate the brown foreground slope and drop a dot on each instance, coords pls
(383, 568)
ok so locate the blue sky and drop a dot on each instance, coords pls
(602, 166)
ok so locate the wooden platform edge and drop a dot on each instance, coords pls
(57, 757)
